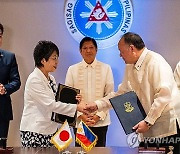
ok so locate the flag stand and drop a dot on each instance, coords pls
(81, 151)
(66, 152)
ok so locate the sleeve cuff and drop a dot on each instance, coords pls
(149, 120)
(102, 115)
(99, 105)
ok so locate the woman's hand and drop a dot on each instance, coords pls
(79, 97)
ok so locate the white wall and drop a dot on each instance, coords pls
(28, 21)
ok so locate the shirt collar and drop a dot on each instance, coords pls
(92, 65)
(40, 73)
(141, 59)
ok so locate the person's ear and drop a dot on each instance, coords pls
(80, 51)
(131, 47)
(43, 61)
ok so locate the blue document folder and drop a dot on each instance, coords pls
(128, 109)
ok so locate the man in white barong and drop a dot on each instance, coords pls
(95, 80)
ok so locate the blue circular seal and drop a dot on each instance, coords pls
(103, 20)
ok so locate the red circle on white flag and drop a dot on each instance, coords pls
(64, 135)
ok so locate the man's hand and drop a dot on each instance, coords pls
(92, 120)
(2, 89)
(141, 127)
(89, 119)
(91, 107)
(81, 107)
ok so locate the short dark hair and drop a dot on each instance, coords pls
(1, 29)
(44, 49)
(135, 39)
(86, 39)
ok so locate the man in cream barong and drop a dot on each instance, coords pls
(149, 75)
(95, 80)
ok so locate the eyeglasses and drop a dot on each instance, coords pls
(54, 58)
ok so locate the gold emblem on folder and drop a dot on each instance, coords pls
(128, 107)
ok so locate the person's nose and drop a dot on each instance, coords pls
(57, 61)
(88, 50)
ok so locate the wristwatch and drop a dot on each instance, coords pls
(148, 124)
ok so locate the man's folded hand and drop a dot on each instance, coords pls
(91, 107)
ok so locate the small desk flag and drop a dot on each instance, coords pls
(63, 138)
(85, 137)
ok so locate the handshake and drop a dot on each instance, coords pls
(87, 108)
(84, 107)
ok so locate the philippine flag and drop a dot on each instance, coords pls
(85, 137)
(63, 138)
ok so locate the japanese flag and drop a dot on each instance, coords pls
(63, 138)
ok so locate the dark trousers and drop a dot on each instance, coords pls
(173, 140)
(101, 134)
(4, 127)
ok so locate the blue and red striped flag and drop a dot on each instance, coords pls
(85, 137)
